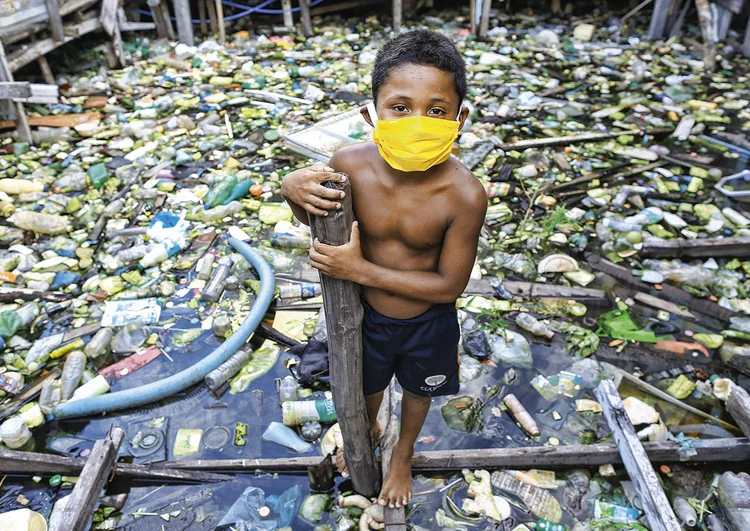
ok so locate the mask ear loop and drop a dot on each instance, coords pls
(372, 112)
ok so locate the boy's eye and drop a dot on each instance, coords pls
(437, 112)
(400, 108)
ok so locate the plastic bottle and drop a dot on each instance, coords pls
(11, 382)
(304, 290)
(72, 372)
(20, 186)
(222, 325)
(72, 182)
(50, 396)
(15, 433)
(684, 511)
(98, 173)
(41, 223)
(546, 525)
(99, 344)
(23, 520)
(288, 389)
(311, 430)
(158, 253)
(531, 324)
(280, 434)
(132, 253)
(221, 211)
(221, 191)
(647, 216)
(216, 285)
(523, 417)
(297, 413)
(621, 226)
(94, 387)
(226, 370)
(206, 266)
(28, 312)
(130, 338)
(6, 208)
(239, 191)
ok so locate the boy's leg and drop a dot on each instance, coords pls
(373, 402)
(396, 490)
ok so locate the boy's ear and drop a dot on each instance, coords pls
(463, 114)
(366, 115)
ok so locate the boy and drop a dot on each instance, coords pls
(419, 214)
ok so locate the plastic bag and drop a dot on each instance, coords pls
(512, 350)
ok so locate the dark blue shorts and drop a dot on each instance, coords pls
(422, 351)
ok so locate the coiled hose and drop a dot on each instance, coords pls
(148, 393)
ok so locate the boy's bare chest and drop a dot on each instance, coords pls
(417, 218)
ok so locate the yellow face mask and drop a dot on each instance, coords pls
(414, 143)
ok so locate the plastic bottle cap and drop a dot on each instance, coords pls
(55, 480)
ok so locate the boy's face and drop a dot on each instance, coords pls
(418, 90)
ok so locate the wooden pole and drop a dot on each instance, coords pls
(202, 16)
(55, 20)
(184, 22)
(212, 16)
(703, 248)
(660, 515)
(395, 519)
(220, 22)
(484, 24)
(577, 455)
(306, 22)
(659, 19)
(398, 13)
(47, 74)
(165, 16)
(575, 139)
(738, 405)
(161, 30)
(707, 29)
(14, 108)
(473, 15)
(344, 311)
(286, 5)
(78, 512)
(746, 43)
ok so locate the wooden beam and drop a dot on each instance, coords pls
(46, 69)
(202, 16)
(156, 14)
(738, 405)
(577, 455)
(211, 7)
(746, 42)
(473, 16)
(167, 18)
(660, 515)
(126, 25)
(398, 13)
(702, 248)
(341, 6)
(707, 29)
(658, 19)
(306, 22)
(78, 512)
(220, 22)
(14, 462)
(536, 290)
(11, 90)
(344, 311)
(577, 139)
(7, 108)
(22, 124)
(484, 23)
(55, 20)
(394, 519)
(286, 5)
(184, 21)
(111, 26)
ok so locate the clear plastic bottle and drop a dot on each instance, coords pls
(73, 182)
(216, 285)
(531, 324)
(15, 433)
(221, 211)
(621, 226)
(41, 223)
(158, 253)
(647, 216)
(99, 344)
(222, 325)
(72, 372)
(685, 511)
(132, 253)
(304, 290)
(50, 396)
(130, 338)
(226, 370)
(20, 186)
(207, 265)
(287, 389)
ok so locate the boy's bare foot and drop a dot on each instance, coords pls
(375, 432)
(396, 491)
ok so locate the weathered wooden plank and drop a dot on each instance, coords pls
(202, 16)
(44, 66)
(484, 22)
(658, 19)
(13, 462)
(746, 42)
(398, 11)
(127, 25)
(537, 290)
(660, 515)
(341, 301)
(55, 20)
(577, 139)
(10, 90)
(738, 405)
(608, 174)
(708, 451)
(220, 21)
(286, 5)
(669, 292)
(735, 6)
(78, 512)
(184, 22)
(305, 17)
(707, 29)
(108, 16)
(703, 248)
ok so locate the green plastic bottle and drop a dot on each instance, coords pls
(239, 191)
(546, 525)
(98, 173)
(220, 192)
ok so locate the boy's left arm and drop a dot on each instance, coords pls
(444, 286)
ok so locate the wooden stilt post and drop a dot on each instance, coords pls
(22, 124)
(165, 16)
(738, 405)
(161, 30)
(484, 24)
(212, 16)
(746, 43)
(110, 24)
(286, 5)
(184, 22)
(658, 19)
(55, 20)
(202, 16)
(47, 74)
(398, 13)
(344, 311)
(473, 15)
(395, 519)
(14, 109)
(85, 496)
(556, 7)
(660, 515)
(707, 28)
(306, 22)
(220, 22)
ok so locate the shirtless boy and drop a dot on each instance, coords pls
(419, 213)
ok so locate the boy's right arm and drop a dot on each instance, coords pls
(304, 191)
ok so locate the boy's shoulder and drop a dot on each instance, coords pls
(467, 188)
(350, 158)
